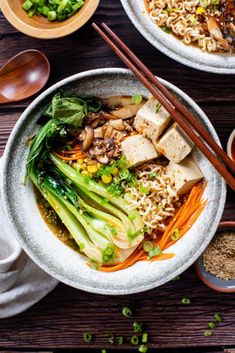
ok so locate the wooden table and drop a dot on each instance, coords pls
(59, 321)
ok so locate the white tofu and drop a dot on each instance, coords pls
(175, 145)
(151, 120)
(137, 150)
(185, 174)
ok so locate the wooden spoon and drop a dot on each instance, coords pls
(23, 75)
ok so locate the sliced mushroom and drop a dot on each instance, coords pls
(127, 112)
(107, 131)
(108, 116)
(95, 123)
(117, 124)
(86, 137)
(215, 31)
(120, 101)
(103, 159)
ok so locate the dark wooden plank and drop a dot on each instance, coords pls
(84, 50)
(60, 320)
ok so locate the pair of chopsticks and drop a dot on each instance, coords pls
(176, 108)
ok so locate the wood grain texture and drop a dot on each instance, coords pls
(60, 319)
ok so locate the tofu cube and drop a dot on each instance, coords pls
(137, 150)
(185, 175)
(152, 119)
(175, 145)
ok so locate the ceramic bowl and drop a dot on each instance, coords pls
(173, 47)
(39, 26)
(230, 143)
(213, 282)
(48, 251)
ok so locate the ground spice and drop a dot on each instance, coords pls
(219, 257)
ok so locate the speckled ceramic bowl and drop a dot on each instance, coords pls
(173, 47)
(210, 280)
(50, 253)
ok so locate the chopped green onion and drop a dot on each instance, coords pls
(137, 99)
(87, 336)
(124, 174)
(165, 11)
(218, 318)
(166, 29)
(155, 251)
(137, 327)
(147, 245)
(27, 5)
(103, 351)
(110, 338)
(175, 235)
(134, 340)
(120, 340)
(211, 324)
(208, 333)
(145, 337)
(203, 3)
(152, 175)
(185, 301)
(144, 189)
(193, 20)
(52, 15)
(215, 2)
(126, 311)
(143, 348)
(158, 107)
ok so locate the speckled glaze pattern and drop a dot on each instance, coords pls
(168, 44)
(49, 252)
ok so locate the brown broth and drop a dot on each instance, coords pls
(53, 221)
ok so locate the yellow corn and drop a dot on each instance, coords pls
(80, 161)
(200, 10)
(93, 168)
(84, 172)
(106, 178)
(84, 166)
(114, 171)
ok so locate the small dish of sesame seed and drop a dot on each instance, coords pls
(216, 266)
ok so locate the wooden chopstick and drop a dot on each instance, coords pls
(176, 103)
(184, 124)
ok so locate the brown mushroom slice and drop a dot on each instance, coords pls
(87, 137)
(117, 124)
(127, 112)
(120, 101)
(215, 31)
(107, 131)
(103, 159)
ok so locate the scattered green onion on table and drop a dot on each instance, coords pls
(52, 9)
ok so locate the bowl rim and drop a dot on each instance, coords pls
(229, 143)
(29, 251)
(48, 33)
(201, 271)
(170, 52)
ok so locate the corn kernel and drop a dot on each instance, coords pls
(106, 178)
(93, 168)
(80, 161)
(83, 166)
(85, 172)
(200, 10)
(114, 171)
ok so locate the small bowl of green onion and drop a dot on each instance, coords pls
(48, 19)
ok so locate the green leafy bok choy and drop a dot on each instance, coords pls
(97, 220)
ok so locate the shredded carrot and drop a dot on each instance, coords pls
(146, 6)
(183, 221)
